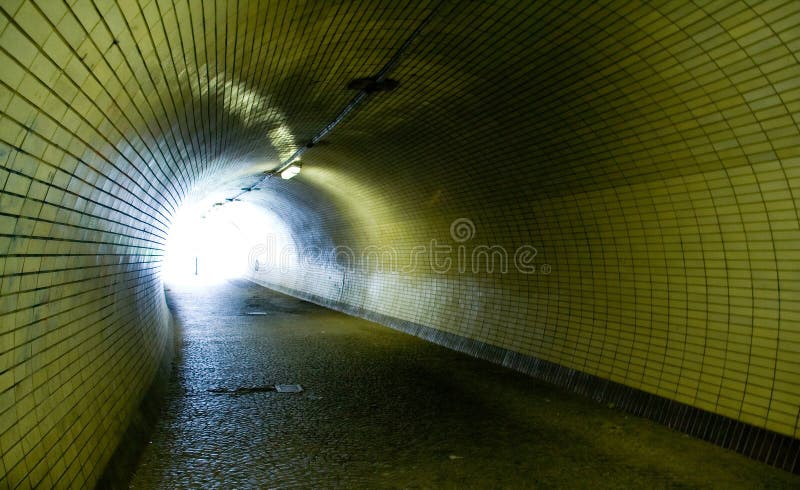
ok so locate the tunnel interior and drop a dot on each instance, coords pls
(600, 194)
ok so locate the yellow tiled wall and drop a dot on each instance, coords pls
(651, 156)
(647, 151)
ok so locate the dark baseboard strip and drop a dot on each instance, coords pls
(120, 467)
(772, 448)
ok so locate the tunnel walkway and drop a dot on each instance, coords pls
(385, 409)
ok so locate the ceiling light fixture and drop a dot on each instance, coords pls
(291, 171)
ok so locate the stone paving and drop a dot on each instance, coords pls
(382, 409)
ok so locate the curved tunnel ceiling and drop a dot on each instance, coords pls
(648, 152)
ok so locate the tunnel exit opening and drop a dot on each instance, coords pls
(205, 246)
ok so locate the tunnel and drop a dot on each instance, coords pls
(600, 195)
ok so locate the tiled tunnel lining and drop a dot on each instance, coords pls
(676, 235)
(141, 420)
(662, 134)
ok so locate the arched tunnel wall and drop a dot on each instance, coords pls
(644, 158)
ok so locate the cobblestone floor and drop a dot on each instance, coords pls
(382, 409)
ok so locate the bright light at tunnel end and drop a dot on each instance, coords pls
(204, 247)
